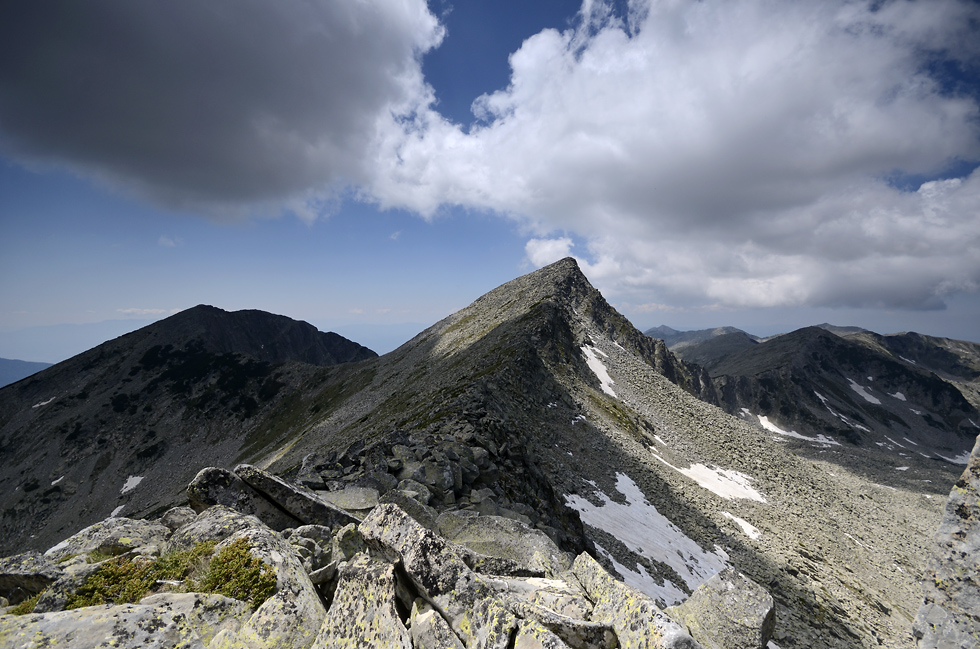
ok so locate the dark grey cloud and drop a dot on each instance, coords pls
(221, 103)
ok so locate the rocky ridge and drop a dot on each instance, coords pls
(388, 580)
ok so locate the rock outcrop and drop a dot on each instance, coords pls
(949, 617)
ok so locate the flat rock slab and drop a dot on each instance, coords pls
(504, 538)
(430, 630)
(729, 610)
(352, 498)
(113, 536)
(638, 622)
(213, 524)
(300, 502)
(363, 612)
(214, 486)
(24, 575)
(168, 621)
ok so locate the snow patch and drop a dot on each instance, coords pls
(131, 483)
(57, 481)
(901, 468)
(750, 530)
(644, 530)
(907, 360)
(773, 428)
(116, 511)
(910, 441)
(894, 442)
(852, 424)
(44, 403)
(657, 437)
(918, 412)
(962, 458)
(864, 392)
(728, 484)
(898, 395)
(599, 369)
(641, 580)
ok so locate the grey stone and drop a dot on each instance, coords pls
(177, 517)
(352, 498)
(422, 513)
(347, 543)
(949, 617)
(638, 623)
(113, 536)
(24, 575)
(363, 610)
(213, 524)
(576, 633)
(533, 635)
(496, 536)
(55, 597)
(214, 486)
(162, 621)
(429, 630)
(557, 595)
(301, 503)
(729, 610)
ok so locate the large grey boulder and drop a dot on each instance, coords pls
(24, 575)
(55, 597)
(299, 502)
(504, 538)
(436, 571)
(363, 609)
(293, 615)
(113, 536)
(729, 610)
(213, 524)
(574, 632)
(188, 621)
(949, 617)
(176, 517)
(430, 630)
(214, 486)
(638, 622)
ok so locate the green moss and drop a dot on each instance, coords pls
(27, 606)
(235, 572)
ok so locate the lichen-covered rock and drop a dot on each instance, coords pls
(949, 617)
(293, 615)
(301, 503)
(188, 621)
(729, 610)
(214, 486)
(347, 542)
(24, 575)
(557, 595)
(55, 597)
(429, 630)
(638, 623)
(352, 499)
(575, 633)
(177, 517)
(363, 612)
(414, 507)
(505, 538)
(533, 635)
(113, 536)
(436, 571)
(213, 524)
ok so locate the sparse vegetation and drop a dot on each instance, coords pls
(27, 606)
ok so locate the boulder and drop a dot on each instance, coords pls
(363, 609)
(532, 635)
(729, 610)
(187, 620)
(505, 538)
(293, 615)
(55, 597)
(949, 616)
(429, 630)
(301, 503)
(177, 517)
(575, 633)
(213, 524)
(414, 507)
(638, 622)
(437, 572)
(214, 486)
(24, 575)
(557, 595)
(113, 536)
(352, 499)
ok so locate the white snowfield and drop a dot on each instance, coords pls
(844, 419)
(644, 530)
(750, 530)
(773, 428)
(898, 395)
(962, 458)
(864, 392)
(44, 403)
(598, 368)
(729, 484)
(131, 483)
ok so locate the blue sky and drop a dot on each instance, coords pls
(371, 167)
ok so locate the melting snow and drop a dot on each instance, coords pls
(599, 369)
(57, 481)
(898, 395)
(44, 403)
(918, 412)
(641, 580)
(910, 441)
(644, 530)
(131, 483)
(894, 442)
(907, 360)
(901, 468)
(725, 483)
(657, 437)
(864, 392)
(750, 530)
(771, 427)
(962, 458)
(116, 511)
(844, 419)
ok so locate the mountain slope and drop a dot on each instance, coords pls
(540, 402)
(147, 407)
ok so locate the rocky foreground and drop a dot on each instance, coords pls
(377, 574)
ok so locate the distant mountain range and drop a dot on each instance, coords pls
(12, 371)
(538, 402)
